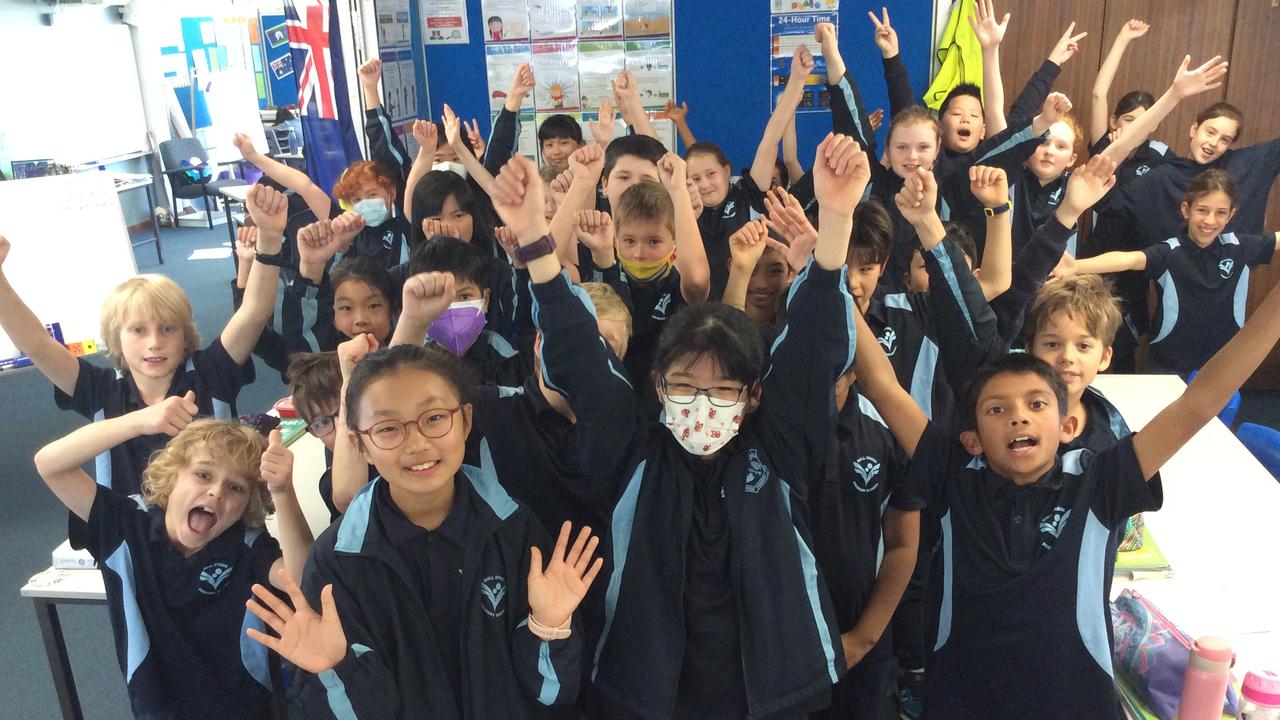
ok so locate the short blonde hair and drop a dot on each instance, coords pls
(609, 304)
(235, 446)
(646, 200)
(149, 296)
(1084, 297)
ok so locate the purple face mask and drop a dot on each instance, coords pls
(459, 326)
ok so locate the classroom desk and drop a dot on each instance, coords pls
(233, 194)
(57, 586)
(134, 181)
(1217, 529)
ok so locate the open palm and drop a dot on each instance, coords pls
(313, 642)
(554, 592)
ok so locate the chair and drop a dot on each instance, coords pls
(1228, 413)
(1264, 443)
(172, 154)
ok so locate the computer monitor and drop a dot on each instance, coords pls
(31, 168)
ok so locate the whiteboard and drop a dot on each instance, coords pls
(70, 92)
(69, 250)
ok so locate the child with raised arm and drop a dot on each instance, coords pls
(1038, 601)
(709, 529)
(435, 600)
(152, 340)
(1201, 274)
(558, 137)
(759, 275)
(178, 573)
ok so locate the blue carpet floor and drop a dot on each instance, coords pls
(33, 522)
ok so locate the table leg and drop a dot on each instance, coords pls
(231, 231)
(59, 664)
(155, 227)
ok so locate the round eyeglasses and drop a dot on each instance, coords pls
(322, 425)
(391, 434)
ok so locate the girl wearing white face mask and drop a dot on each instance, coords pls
(714, 606)
(369, 189)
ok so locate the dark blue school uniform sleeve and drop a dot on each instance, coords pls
(503, 299)
(902, 496)
(93, 386)
(1157, 260)
(612, 276)
(1119, 489)
(815, 347)
(578, 363)
(1033, 95)
(1007, 149)
(898, 83)
(1031, 268)
(220, 373)
(385, 147)
(113, 519)
(502, 141)
(849, 115)
(548, 671)
(1258, 249)
(931, 467)
(959, 316)
(307, 315)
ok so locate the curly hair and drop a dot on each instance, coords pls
(237, 447)
(364, 171)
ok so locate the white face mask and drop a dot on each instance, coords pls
(700, 427)
(454, 167)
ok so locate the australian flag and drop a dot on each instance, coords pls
(316, 45)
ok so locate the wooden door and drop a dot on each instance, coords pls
(1034, 28)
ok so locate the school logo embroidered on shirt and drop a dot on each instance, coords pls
(660, 308)
(729, 209)
(1225, 267)
(494, 591)
(1142, 170)
(757, 473)
(1052, 525)
(866, 468)
(1055, 197)
(212, 577)
(388, 239)
(889, 340)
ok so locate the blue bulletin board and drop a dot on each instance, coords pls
(282, 86)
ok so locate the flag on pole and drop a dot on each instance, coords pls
(315, 43)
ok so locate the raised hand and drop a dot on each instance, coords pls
(370, 72)
(1065, 269)
(518, 196)
(824, 34)
(353, 351)
(626, 94)
(426, 296)
(477, 141)
(749, 242)
(695, 198)
(802, 64)
(1133, 30)
(989, 184)
(840, 173)
(554, 592)
(984, 24)
(509, 243)
(276, 466)
(424, 131)
(268, 208)
(346, 227)
(521, 83)
(313, 642)
(787, 216)
(169, 416)
(918, 199)
(245, 145)
(587, 161)
(432, 227)
(560, 185)
(1206, 77)
(1055, 106)
(317, 243)
(594, 229)
(1067, 46)
(886, 36)
(672, 172)
(1087, 185)
(246, 243)
(876, 118)
(679, 114)
(602, 127)
(453, 130)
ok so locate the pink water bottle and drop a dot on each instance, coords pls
(1204, 688)
(1260, 697)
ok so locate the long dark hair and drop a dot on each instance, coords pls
(388, 360)
(714, 330)
(429, 196)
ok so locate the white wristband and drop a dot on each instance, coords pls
(550, 633)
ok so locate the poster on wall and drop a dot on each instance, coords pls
(527, 140)
(553, 19)
(408, 85)
(797, 6)
(600, 18)
(501, 63)
(392, 97)
(277, 35)
(646, 18)
(598, 63)
(444, 22)
(505, 20)
(788, 32)
(650, 62)
(555, 76)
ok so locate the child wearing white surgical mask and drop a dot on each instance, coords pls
(369, 189)
(710, 526)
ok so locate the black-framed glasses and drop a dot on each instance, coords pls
(391, 434)
(718, 395)
(323, 425)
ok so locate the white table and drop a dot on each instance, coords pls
(1219, 529)
(58, 586)
(133, 181)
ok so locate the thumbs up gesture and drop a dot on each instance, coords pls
(277, 465)
(169, 416)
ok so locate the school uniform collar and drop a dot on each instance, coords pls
(401, 531)
(1185, 241)
(999, 487)
(178, 384)
(221, 546)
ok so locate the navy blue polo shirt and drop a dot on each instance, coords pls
(1019, 597)
(179, 621)
(1148, 155)
(492, 359)
(900, 324)
(103, 393)
(652, 304)
(864, 474)
(1034, 204)
(1202, 294)
(717, 223)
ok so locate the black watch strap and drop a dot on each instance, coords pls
(277, 260)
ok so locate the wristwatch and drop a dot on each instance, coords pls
(998, 210)
(544, 245)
